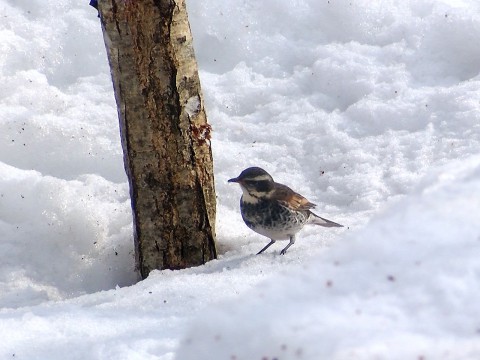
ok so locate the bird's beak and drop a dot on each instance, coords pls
(235, 180)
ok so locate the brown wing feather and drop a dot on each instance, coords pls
(291, 199)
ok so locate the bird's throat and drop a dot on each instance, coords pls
(251, 197)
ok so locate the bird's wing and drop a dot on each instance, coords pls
(291, 199)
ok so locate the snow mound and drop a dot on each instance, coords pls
(402, 288)
(61, 238)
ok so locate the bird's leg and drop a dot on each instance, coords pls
(292, 241)
(266, 246)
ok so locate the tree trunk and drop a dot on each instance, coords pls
(164, 131)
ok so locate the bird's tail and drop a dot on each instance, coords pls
(317, 220)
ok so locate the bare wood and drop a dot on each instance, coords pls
(164, 131)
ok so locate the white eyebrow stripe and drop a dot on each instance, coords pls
(261, 178)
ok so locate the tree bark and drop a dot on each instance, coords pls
(164, 131)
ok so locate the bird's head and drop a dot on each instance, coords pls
(255, 183)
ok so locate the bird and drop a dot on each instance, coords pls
(274, 210)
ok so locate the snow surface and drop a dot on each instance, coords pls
(368, 108)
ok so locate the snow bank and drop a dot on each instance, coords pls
(61, 238)
(65, 215)
(405, 287)
(350, 103)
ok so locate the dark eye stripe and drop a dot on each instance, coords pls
(262, 186)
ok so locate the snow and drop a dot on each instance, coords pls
(401, 288)
(369, 109)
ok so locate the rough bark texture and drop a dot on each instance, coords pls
(164, 131)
